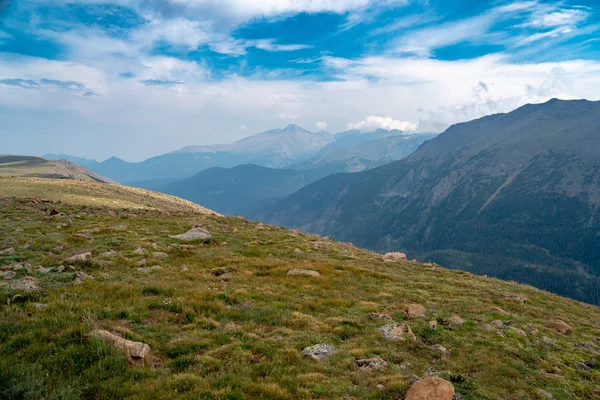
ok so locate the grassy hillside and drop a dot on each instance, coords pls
(225, 320)
(27, 166)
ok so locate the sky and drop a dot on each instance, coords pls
(137, 78)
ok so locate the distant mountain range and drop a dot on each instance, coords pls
(516, 196)
(248, 188)
(291, 147)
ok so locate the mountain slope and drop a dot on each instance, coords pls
(224, 318)
(365, 154)
(512, 195)
(241, 190)
(12, 165)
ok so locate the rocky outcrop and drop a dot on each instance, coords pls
(415, 311)
(81, 257)
(397, 332)
(560, 327)
(371, 363)
(394, 256)
(196, 233)
(308, 272)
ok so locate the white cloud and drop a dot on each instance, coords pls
(243, 127)
(288, 116)
(271, 45)
(373, 122)
(321, 125)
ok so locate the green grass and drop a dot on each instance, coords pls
(233, 325)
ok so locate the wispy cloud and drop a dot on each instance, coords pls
(376, 122)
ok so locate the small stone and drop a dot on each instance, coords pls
(27, 284)
(394, 256)
(108, 254)
(44, 270)
(319, 351)
(497, 323)
(371, 363)
(196, 233)
(8, 275)
(430, 371)
(379, 317)
(298, 251)
(548, 341)
(456, 321)
(118, 228)
(139, 250)
(60, 268)
(498, 310)
(229, 228)
(141, 263)
(81, 236)
(104, 263)
(433, 325)
(303, 272)
(396, 332)
(90, 230)
(8, 252)
(82, 257)
(160, 255)
(432, 388)
(40, 306)
(545, 394)
(440, 348)
(589, 345)
(516, 297)
(415, 311)
(184, 268)
(560, 327)
(83, 276)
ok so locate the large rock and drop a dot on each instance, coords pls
(431, 389)
(27, 284)
(303, 272)
(455, 320)
(394, 256)
(81, 257)
(319, 351)
(138, 353)
(397, 332)
(196, 233)
(560, 327)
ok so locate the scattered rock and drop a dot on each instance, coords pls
(160, 255)
(195, 233)
(44, 270)
(53, 212)
(83, 276)
(40, 306)
(560, 327)
(433, 325)
(229, 228)
(8, 275)
(184, 268)
(8, 252)
(518, 331)
(319, 351)
(81, 257)
(396, 332)
(303, 272)
(25, 266)
(394, 256)
(150, 269)
(298, 251)
(499, 310)
(81, 236)
(60, 268)
(119, 228)
(548, 341)
(141, 263)
(379, 317)
(108, 254)
(545, 394)
(371, 363)
(90, 230)
(415, 311)
(584, 366)
(497, 323)
(138, 353)
(139, 250)
(440, 348)
(516, 297)
(456, 321)
(430, 389)
(27, 284)
(589, 345)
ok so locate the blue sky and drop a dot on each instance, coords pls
(135, 78)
